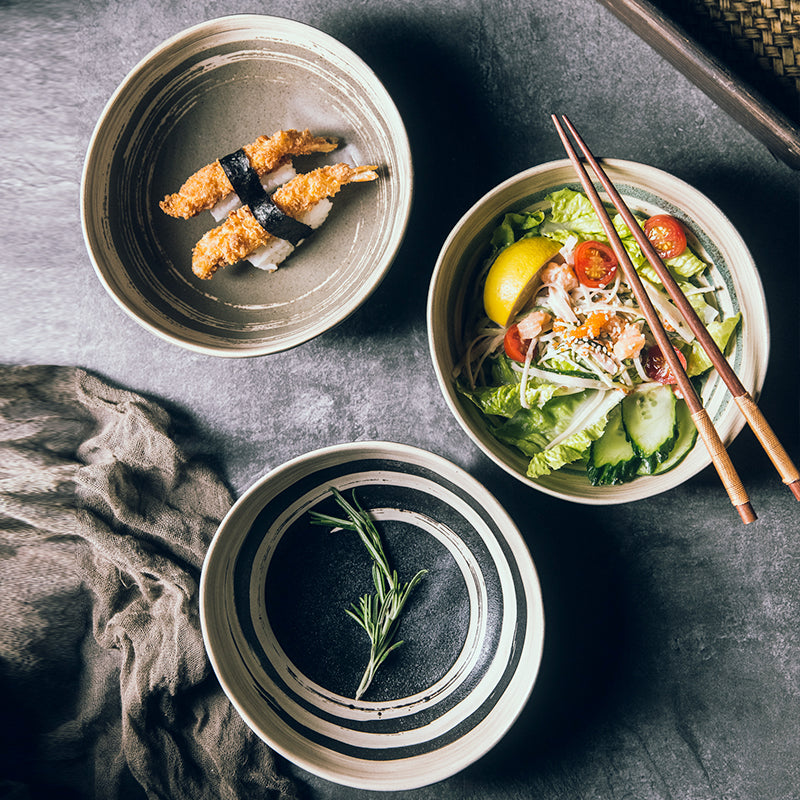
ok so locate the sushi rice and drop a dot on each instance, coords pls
(271, 254)
(268, 256)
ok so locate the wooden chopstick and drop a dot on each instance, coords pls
(751, 412)
(719, 455)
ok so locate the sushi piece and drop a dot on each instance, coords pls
(212, 183)
(268, 256)
(270, 181)
(281, 221)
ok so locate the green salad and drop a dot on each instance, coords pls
(573, 378)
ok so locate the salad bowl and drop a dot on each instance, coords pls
(455, 290)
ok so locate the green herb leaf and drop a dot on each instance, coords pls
(377, 614)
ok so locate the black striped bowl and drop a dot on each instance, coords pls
(273, 596)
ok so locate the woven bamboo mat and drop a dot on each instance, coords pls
(768, 31)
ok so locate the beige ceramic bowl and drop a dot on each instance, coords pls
(644, 189)
(202, 94)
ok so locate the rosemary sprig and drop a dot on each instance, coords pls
(377, 614)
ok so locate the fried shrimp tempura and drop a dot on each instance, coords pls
(241, 233)
(210, 184)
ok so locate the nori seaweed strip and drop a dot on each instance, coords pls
(243, 177)
(247, 185)
(274, 221)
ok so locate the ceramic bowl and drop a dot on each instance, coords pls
(205, 93)
(645, 189)
(275, 588)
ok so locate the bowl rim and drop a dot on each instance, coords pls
(757, 299)
(297, 31)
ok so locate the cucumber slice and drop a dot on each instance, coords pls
(651, 422)
(685, 441)
(612, 459)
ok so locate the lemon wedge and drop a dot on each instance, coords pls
(512, 276)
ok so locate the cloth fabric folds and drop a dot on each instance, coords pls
(104, 524)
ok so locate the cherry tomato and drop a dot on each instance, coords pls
(595, 264)
(656, 367)
(515, 346)
(666, 234)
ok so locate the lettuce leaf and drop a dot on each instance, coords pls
(721, 331)
(503, 372)
(682, 267)
(559, 432)
(574, 208)
(686, 265)
(523, 431)
(504, 399)
(516, 226)
(703, 309)
(562, 236)
(571, 449)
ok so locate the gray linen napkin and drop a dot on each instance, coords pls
(105, 688)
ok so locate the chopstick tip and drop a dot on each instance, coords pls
(794, 488)
(746, 513)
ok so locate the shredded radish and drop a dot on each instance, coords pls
(523, 384)
(570, 381)
(560, 303)
(568, 249)
(478, 350)
(668, 311)
(637, 362)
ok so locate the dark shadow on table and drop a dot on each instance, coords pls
(437, 91)
(768, 223)
(592, 654)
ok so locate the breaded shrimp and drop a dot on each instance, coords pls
(210, 184)
(241, 233)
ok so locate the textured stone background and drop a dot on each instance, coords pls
(672, 659)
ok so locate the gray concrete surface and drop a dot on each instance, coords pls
(672, 662)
